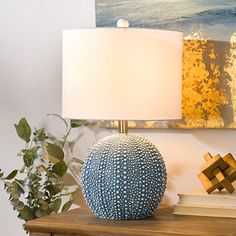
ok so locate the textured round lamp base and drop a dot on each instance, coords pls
(124, 177)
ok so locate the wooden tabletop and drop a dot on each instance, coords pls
(82, 222)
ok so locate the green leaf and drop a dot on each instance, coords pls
(39, 135)
(11, 189)
(44, 205)
(1, 174)
(19, 184)
(22, 170)
(33, 177)
(20, 181)
(78, 123)
(20, 206)
(34, 150)
(52, 159)
(15, 195)
(12, 175)
(27, 214)
(67, 205)
(51, 174)
(40, 212)
(55, 151)
(28, 159)
(23, 130)
(52, 189)
(60, 168)
(14, 202)
(57, 205)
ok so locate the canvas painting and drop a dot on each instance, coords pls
(209, 54)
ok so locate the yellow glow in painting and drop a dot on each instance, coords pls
(209, 86)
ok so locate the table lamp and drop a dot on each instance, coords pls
(122, 74)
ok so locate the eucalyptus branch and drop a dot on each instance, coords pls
(39, 192)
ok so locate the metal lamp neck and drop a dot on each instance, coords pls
(123, 126)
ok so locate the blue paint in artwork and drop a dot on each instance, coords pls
(215, 18)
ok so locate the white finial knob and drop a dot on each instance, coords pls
(122, 23)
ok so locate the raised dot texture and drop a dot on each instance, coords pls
(124, 177)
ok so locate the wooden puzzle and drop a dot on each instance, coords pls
(218, 173)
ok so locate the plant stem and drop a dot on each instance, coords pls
(66, 194)
(66, 136)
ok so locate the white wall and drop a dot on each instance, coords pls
(30, 74)
(30, 86)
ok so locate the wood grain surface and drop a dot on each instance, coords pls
(63, 234)
(81, 222)
(40, 234)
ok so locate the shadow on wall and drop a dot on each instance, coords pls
(79, 199)
(219, 139)
(173, 172)
(184, 152)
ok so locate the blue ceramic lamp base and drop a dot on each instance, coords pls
(124, 177)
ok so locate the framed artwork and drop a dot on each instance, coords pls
(209, 54)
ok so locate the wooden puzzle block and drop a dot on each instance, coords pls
(209, 185)
(218, 173)
(229, 159)
(213, 163)
(230, 173)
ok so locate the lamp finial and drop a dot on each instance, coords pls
(122, 23)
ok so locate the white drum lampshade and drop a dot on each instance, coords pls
(122, 74)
